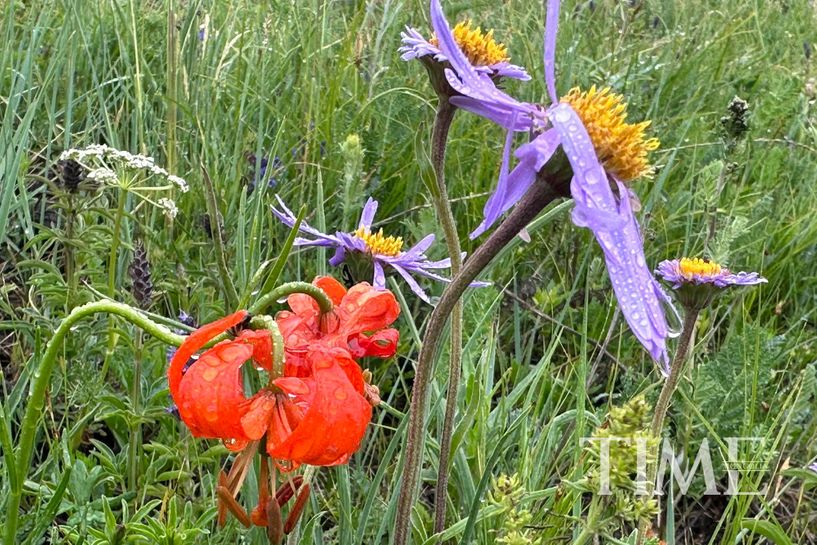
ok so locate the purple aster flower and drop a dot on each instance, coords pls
(487, 56)
(813, 467)
(679, 272)
(698, 281)
(380, 250)
(587, 131)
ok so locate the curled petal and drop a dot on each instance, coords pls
(382, 344)
(325, 418)
(365, 308)
(194, 342)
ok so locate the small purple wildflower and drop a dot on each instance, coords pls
(680, 272)
(415, 46)
(384, 252)
(607, 214)
(813, 467)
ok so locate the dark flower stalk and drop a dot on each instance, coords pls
(535, 200)
(442, 204)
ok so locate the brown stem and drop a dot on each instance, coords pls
(534, 201)
(439, 137)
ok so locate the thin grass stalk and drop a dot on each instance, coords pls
(39, 385)
(68, 254)
(442, 204)
(230, 293)
(534, 201)
(136, 427)
(113, 259)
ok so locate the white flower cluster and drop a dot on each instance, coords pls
(101, 152)
(103, 176)
(169, 207)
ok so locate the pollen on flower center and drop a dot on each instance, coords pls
(480, 47)
(690, 267)
(622, 147)
(380, 244)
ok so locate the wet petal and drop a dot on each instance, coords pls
(367, 217)
(211, 397)
(195, 342)
(551, 30)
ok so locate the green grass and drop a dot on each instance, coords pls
(295, 80)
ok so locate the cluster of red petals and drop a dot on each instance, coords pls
(358, 323)
(317, 413)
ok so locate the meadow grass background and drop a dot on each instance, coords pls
(296, 80)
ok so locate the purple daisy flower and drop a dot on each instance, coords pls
(383, 251)
(680, 272)
(602, 150)
(490, 58)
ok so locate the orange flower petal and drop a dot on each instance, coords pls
(335, 419)
(210, 395)
(334, 289)
(194, 342)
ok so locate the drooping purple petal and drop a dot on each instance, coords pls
(507, 119)
(613, 224)
(288, 218)
(418, 250)
(367, 217)
(415, 287)
(379, 280)
(508, 70)
(338, 257)
(551, 29)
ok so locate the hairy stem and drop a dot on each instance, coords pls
(323, 300)
(664, 398)
(676, 369)
(439, 138)
(537, 197)
(39, 384)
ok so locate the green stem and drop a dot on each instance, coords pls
(268, 323)
(136, 427)
(39, 385)
(534, 201)
(442, 204)
(230, 293)
(113, 259)
(664, 398)
(323, 300)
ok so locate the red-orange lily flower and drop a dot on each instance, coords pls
(358, 323)
(318, 417)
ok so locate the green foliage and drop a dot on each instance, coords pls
(321, 86)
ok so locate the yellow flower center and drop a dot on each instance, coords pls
(480, 47)
(697, 266)
(622, 147)
(380, 244)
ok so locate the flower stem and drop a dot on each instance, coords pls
(136, 426)
(676, 368)
(439, 138)
(113, 259)
(320, 297)
(534, 201)
(664, 398)
(39, 384)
